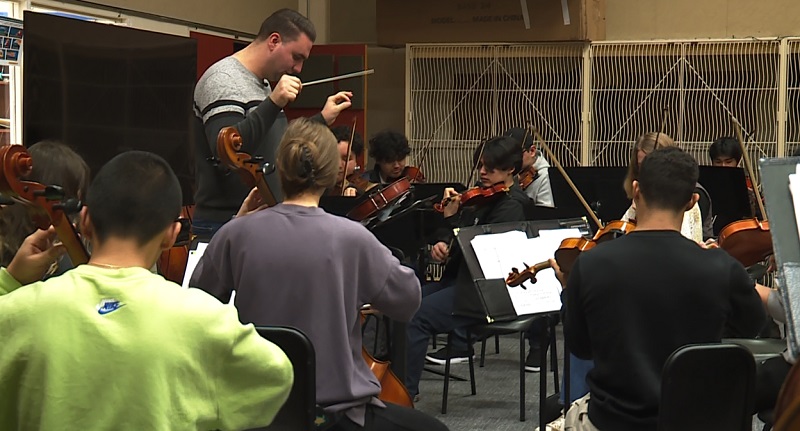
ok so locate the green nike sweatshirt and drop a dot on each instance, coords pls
(125, 349)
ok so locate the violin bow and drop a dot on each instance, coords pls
(749, 167)
(661, 127)
(347, 160)
(560, 168)
(475, 167)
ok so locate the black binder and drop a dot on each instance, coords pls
(488, 300)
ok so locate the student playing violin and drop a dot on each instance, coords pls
(295, 265)
(698, 220)
(348, 154)
(629, 303)
(390, 150)
(497, 161)
(533, 177)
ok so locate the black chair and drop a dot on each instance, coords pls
(707, 387)
(482, 331)
(762, 349)
(299, 411)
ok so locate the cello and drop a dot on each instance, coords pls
(748, 241)
(46, 203)
(251, 169)
(392, 389)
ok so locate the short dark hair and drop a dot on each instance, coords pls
(501, 153)
(343, 133)
(135, 195)
(389, 146)
(289, 24)
(725, 147)
(667, 178)
(519, 134)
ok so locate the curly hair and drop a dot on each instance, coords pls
(389, 146)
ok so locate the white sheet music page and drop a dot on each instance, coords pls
(794, 187)
(498, 253)
(191, 264)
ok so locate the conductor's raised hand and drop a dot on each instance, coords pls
(335, 105)
(286, 90)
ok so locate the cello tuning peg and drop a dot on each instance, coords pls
(256, 159)
(51, 193)
(267, 168)
(213, 160)
(526, 265)
(69, 206)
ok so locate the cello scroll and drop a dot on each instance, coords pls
(250, 168)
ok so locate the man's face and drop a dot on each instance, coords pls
(287, 57)
(392, 169)
(494, 176)
(528, 157)
(729, 162)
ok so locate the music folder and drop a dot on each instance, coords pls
(487, 297)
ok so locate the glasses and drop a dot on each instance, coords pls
(185, 236)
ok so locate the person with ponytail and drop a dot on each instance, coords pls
(295, 265)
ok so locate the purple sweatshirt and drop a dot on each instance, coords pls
(302, 267)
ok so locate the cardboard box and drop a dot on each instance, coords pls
(444, 21)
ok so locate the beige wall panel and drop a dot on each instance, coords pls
(701, 19)
(352, 21)
(241, 15)
(386, 90)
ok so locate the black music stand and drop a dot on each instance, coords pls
(339, 205)
(488, 300)
(728, 191)
(600, 186)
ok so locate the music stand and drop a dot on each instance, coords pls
(339, 205)
(728, 191)
(785, 240)
(600, 186)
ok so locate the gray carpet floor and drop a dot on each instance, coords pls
(496, 404)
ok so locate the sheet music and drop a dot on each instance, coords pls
(498, 253)
(794, 188)
(191, 264)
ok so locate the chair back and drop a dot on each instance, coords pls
(299, 411)
(707, 387)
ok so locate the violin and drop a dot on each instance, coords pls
(476, 196)
(380, 199)
(355, 180)
(414, 174)
(748, 241)
(46, 202)
(172, 262)
(250, 168)
(568, 252)
(527, 176)
(392, 389)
